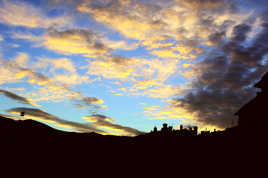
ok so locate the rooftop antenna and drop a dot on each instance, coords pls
(22, 114)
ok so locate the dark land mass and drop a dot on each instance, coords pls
(30, 146)
(29, 133)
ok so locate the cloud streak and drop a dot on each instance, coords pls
(16, 97)
(37, 114)
(102, 121)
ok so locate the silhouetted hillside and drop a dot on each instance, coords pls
(35, 142)
(30, 132)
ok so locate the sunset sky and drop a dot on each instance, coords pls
(124, 66)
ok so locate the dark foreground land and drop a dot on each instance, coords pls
(33, 146)
(25, 134)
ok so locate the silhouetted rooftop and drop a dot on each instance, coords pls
(263, 83)
(252, 115)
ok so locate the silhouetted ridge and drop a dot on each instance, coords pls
(23, 130)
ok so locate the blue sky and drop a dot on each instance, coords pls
(122, 67)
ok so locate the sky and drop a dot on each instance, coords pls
(121, 67)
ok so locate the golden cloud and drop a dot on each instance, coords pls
(107, 123)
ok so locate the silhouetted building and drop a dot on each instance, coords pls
(253, 116)
(169, 131)
(195, 130)
(164, 128)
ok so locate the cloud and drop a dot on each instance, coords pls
(226, 76)
(102, 121)
(200, 4)
(23, 14)
(121, 16)
(155, 22)
(113, 67)
(165, 91)
(62, 70)
(21, 59)
(166, 53)
(92, 103)
(140, 73)
(16, 97)
(74, 41)
(37, 114)
(141, 77)
(179, 30)
(5, 75)
(13, 70)
(169, 113)
(1, 38)
(122, 45)
(92, 100)
(27, 36)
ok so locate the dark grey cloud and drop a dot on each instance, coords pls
(42, 115)
(15, 97)
(216, 38)
(226, 77)
(240, 32)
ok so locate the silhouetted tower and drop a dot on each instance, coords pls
(155, 129)
(181, 127)
(195, 130)
(164, 128)
(22, 114)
